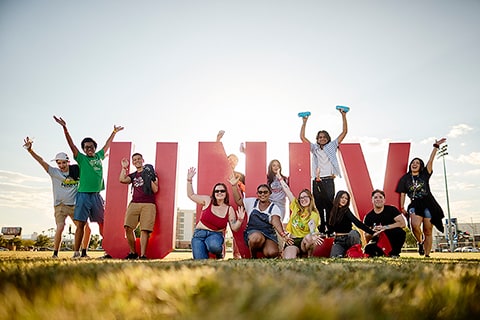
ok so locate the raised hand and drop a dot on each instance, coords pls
(117, 128)
(191, 173)
(439, 142)
(233, 180)
(60, 121)
(125, 163)
(27, 143)
(241, 213)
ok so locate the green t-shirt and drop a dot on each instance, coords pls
(91, 172)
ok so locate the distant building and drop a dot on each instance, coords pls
(464, 234)
(186, 220)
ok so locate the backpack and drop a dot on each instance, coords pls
(148, 175)
(74, 172)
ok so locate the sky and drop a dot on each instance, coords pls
(180, 71)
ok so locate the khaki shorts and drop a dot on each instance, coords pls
(62, 212)
(143, 213)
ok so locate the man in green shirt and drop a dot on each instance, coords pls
(89, 202)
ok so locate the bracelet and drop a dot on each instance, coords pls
(436, 145)
(189, 180)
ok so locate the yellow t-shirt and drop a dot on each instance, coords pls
(297, 226)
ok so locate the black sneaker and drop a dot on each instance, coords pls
(132, 256)
(421, 251)
(143, 258)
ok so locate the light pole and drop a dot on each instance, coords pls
(442, 152)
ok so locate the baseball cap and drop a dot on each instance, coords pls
(61, 156)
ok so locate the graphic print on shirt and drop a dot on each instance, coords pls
(96, 164)
(69, 182)
(301, 224)
(418, 189)
(137, 181)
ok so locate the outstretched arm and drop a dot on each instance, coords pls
(436, 145)
(110, 139)
(203, 200)
(302, 130)
(345, 127)
(28, 146)
(236, 192)
(72, 146)
(220, 135)
(285, 188)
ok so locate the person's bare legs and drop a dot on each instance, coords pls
(58, 236)
(256, 241)
(86, 239)
(270, 249)
(427, 232)
(130, 234)
(78, 237)
(416, 223)
(144, 236)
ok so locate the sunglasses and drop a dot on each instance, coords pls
(220, 191)
(263, 192)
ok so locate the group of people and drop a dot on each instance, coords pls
(315, 214)
(76, 193)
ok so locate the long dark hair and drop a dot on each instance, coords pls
(422, 165)
(337, 213)
(214, 199)
(271, 175)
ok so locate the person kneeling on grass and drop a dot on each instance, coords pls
(264, 221)
(208, 236)
(387, 219)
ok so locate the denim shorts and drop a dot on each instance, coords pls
(426, 213)
(89, 205)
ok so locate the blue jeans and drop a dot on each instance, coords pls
(343, 243)
(205, 242)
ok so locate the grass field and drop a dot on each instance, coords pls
(33, 286)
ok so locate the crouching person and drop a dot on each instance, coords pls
(386, 219)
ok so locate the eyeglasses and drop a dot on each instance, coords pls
(263, 192)
(220, 191)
